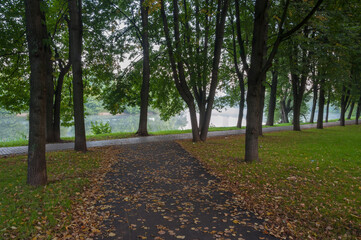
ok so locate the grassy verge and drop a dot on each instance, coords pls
(44, 212)
(307, 185)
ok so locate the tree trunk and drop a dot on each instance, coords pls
(240, 75)
(50, 135)
(272, 99)
(358, 111)
(144, 95)
(328, 103)
(75, 44)
(177, 69)
(220, 20)
(314, 103)
(36, 33)
(344, 101)
(321, 104)
(57, 101)
(255, 77)
(351, 110)
(261, 107)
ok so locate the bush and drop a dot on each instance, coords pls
(100, 128)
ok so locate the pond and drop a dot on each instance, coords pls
(16, 127)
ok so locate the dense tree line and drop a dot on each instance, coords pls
(271, 56)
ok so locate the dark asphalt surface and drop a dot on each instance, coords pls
(159, 191)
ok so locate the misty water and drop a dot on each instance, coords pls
(16, 127)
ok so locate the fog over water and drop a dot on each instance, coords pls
(16, 127)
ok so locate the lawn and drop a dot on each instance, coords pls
(307, 185)
(45, 212)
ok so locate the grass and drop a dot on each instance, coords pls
(307, 185)
(26, 210)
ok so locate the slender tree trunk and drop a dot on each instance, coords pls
(220, 20)
(358, 110)
(50, 135)
(261, 107)
(351, 110)
(328, 103)
(272, 99)
(36, 33)
(240, 77)
(144, 95)
(75, 44)
(255, 77)
(314, 103)
(344, 101)
(321, 104)
(177, 69)
(57, 101)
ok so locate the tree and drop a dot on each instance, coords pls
(144, 94)
(37, 39)
(197, 75)
(75, 45)
(260, 65)
(273, 96)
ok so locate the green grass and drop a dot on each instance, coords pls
(26, 210)
(308, 182)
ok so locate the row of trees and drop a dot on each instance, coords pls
(179, 54)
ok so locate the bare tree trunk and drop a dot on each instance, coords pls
(314, 103)
(328, 103)
(36, 33)
(351, 110)
(272, 99)
(75, 44)
(321, 104)
(144, 95)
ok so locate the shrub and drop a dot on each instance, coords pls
(100, 128)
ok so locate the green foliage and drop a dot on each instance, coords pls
(100, 127)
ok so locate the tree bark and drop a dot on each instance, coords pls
(75, 44)
(144, 94)
(314, 103)
(351, 110)
(255, 77)
(272, 99)
(36, 33)
(321, 104)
